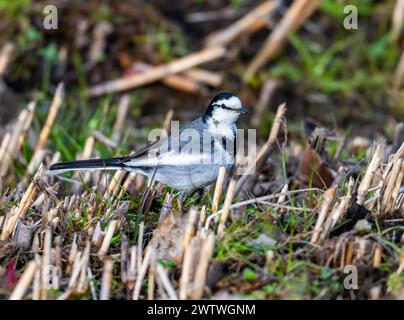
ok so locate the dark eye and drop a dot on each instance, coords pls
(225, 107)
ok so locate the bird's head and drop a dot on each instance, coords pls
(225, 108)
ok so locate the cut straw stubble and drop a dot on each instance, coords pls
(105, 292)
(202, 268)
(16, 213)
(328, 197)
(24, 282)
(226, 207)
(218, 189)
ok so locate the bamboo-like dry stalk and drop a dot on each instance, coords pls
(16, 213)
(202, 268)
(132, 267)
(151, 277)
(186, 273)
(338, 211)
(266, 148)
(218, 189)
(176, 81)
(397, 20)
(36, 285)
(50, 120)
(35, 162)
(294, 18)
(213, 79)
(114, 186)
(122, 112)
(46, 259)
(81, 286)
(367, 179)
(106, 279)
(399, 73)
(75, 272)
(377, 260)
(395, 177)
(349, 253)
(108, 237)
(159, 72)
(5, 56)
(17, 136)
(72, 254)
(166, 282)
(145, 264)
(129, 179)
(401, 266)
(24, 282)
(251, 22)
(190, 228)
(202, 217)
(58, 263)
(4, 145)
(267, 92)
(140, 247)
(226, 207)
(282, 197)
(325, 206)
(396, 192)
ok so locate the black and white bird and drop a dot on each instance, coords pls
(187, 160)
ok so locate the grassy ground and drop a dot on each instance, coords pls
(102, 232)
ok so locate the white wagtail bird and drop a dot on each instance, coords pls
(187, 160)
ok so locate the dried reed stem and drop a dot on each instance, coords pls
(16, 213)
(106, 279)
(367, 179)
(226, 207)
(17, 136)
(5, 56)
(108, 237)
(46, 256)
(24, 282)
(175, 81)
(159, 72)
(122, 112)
(186, 274)
(143, 269)
(52, 114)
(325, 206)
(166, 282)
(202, 268)
(218, 189)
(213, 79)
(297, 14)
(251, 22)
(190, 229)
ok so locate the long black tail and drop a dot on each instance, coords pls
(91, 164)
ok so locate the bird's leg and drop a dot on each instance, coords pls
(183, 196)
(181, 200)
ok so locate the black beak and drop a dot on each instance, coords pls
(244, 111)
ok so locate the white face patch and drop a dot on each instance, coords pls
(226, 117)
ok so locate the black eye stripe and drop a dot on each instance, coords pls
(223, 106)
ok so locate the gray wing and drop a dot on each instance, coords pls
(173, 150)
